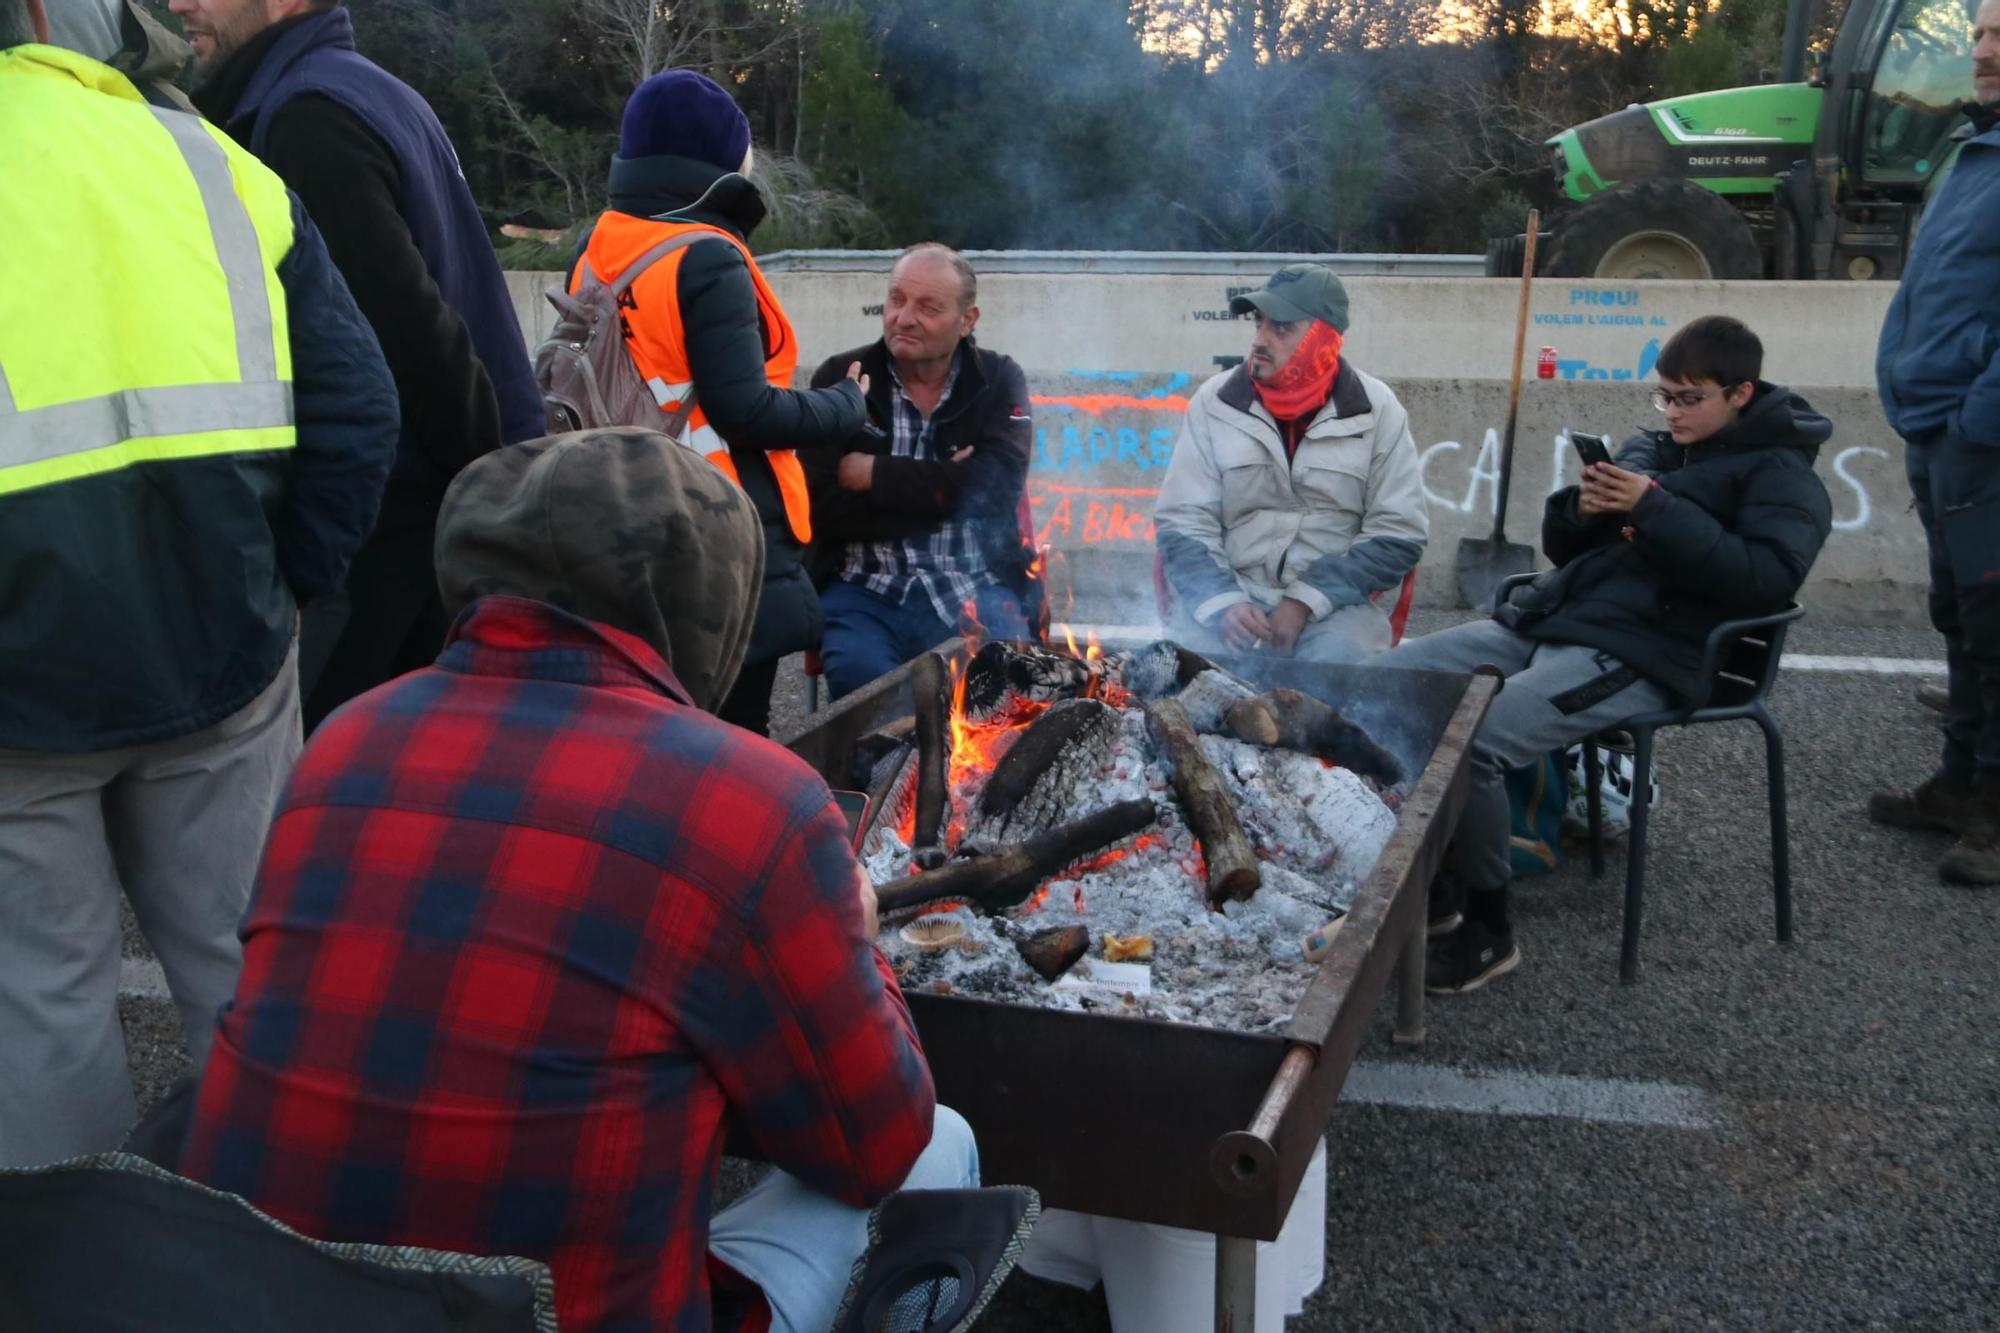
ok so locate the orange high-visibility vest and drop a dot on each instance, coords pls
(658, 343)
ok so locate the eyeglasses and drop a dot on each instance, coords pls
(1686, 398)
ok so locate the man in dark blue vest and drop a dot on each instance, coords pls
(372, 165)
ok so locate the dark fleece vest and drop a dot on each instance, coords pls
(316, 55)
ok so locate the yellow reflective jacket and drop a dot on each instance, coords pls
(146, 412)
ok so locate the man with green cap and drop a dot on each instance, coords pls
(1294, 500)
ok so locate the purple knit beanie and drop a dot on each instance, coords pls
(684, 114)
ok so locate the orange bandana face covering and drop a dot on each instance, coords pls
(1303, 383)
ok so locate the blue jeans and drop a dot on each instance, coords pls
(867, 635)
(799, 1246)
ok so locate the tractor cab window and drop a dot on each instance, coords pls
(1922, 79)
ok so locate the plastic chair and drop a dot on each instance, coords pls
(1739, 664)
(934, 1257)
(1399, 615)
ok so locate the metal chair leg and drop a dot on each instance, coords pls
(1635, 857)
(1781, 843)
(1593, 795)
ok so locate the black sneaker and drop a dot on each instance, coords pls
(1468, 958)
(1447, 906)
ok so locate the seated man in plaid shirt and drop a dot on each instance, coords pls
(532, 927)
(916, 520)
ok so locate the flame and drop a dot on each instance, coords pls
(969, 626)
(1095, 649)
(1117, 854)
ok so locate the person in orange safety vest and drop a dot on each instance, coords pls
(702, 319)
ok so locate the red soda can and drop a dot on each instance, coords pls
(1545, 364)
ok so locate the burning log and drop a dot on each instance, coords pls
(927, 686)
(1054, 952)
(1152, 671)
(1295, 721)
(1006, 878)
(1002, 678)
(892, 790)
(1039, 779)
(1233, 870)
(1209, 695)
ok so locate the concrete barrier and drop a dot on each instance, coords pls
(1112, 356)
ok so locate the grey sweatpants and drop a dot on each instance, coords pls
(1556, 694)
(177, 826)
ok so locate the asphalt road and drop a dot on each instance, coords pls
(1850, 1175)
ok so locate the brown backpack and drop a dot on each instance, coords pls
(587, 376)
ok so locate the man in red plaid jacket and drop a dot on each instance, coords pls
(532, 928)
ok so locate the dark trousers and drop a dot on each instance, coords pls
(394, 621)
(1957, 488)
(749, 703)
(867, 635)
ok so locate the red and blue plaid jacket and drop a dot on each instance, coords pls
(529, 929)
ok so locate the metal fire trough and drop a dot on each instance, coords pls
(1177, 1124)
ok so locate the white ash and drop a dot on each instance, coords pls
(1240, 968)
(1325, 822)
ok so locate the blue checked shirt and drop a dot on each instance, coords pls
(944, 565)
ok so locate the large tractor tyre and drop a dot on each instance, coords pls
(1662, 228)
(1505, 255)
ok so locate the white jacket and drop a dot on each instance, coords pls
(1343, 521)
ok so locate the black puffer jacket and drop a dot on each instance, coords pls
(1730, 529)
(725, 351)
(986, 413)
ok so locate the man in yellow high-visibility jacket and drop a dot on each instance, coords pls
(195, 425)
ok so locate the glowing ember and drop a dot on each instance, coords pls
(1116, 854)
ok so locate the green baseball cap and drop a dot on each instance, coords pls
(1298, 291)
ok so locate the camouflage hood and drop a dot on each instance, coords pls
(623, 527)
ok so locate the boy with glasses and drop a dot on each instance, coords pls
(1715, 518)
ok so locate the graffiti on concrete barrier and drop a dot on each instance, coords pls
(1099, 457)
(1859, 518)
(1092, 515)
(1482, 479)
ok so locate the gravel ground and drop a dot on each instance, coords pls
(1856, 1181)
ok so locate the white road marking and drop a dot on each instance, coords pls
(1604, 1101)
(1867, 666)
(1870, 666)
(141, 979)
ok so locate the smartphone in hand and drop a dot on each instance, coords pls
(854, 807)
(1591, 448)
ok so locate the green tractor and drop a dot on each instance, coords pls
(1804, 178)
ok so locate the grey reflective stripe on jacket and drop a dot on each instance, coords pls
(62, 429)
(259, 400)
(236, 246)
